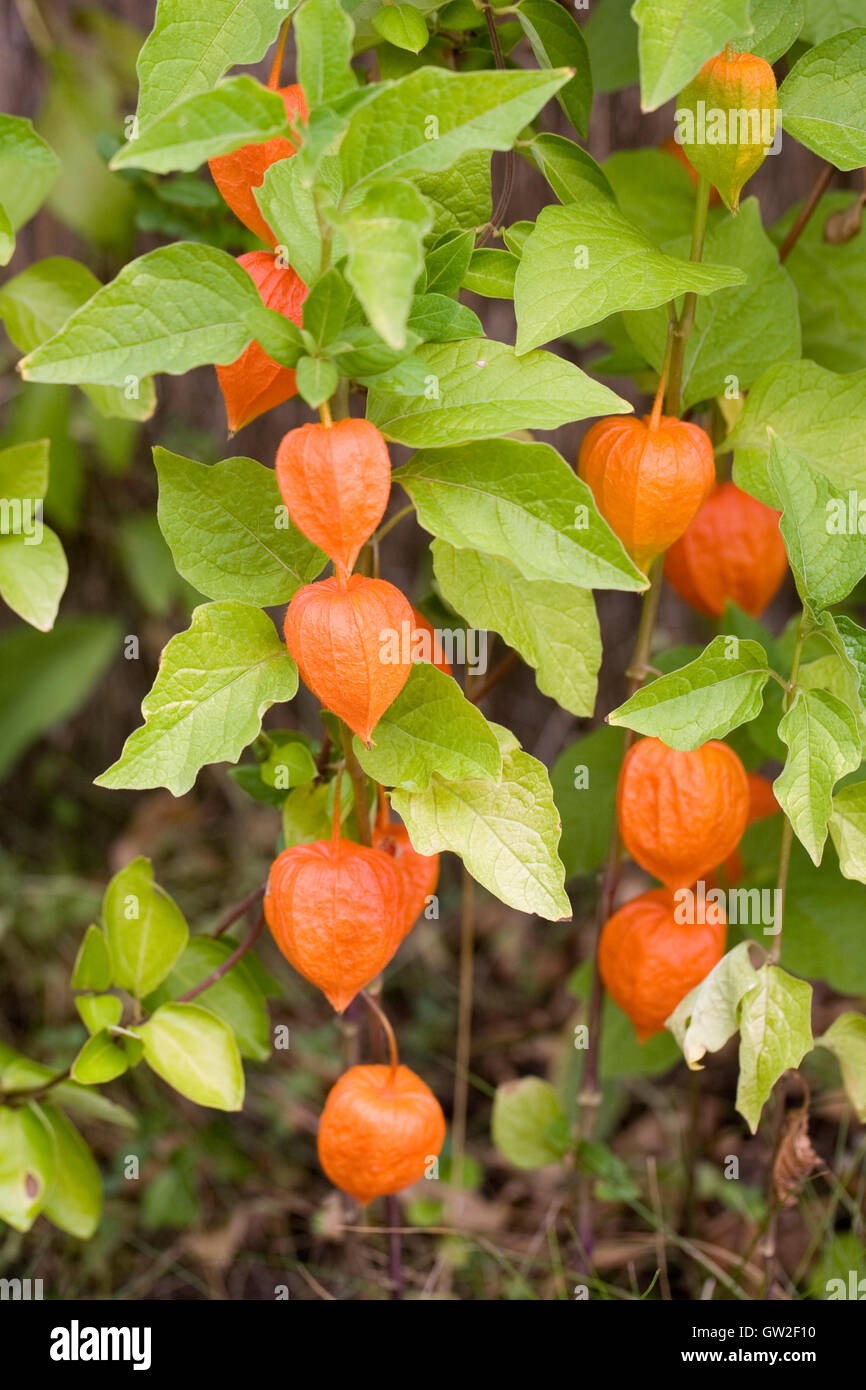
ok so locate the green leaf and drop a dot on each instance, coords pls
(491, 272)
(101, 1059)
(557, 41)
(569, 170)
(584, 779)
(171, 310)
(384, 232)
(824, 744)
(424, 121)
(827, 557)
(477, 388)
(28, 1165)
(460, 195)
(819, 414)
(323, 35)
(676, 39)
(523, 503)
(710, 1014)
(528, 1123)
(92, 969)
(238, 112)
(75, 1200)
(824, 99)
(553, 626)
(28, 168)
(831, 284)
(585, 261)
(82, 1100)
(437, 318)
(738, 334)
(235, 998)
(288, 207)
(827, 17)
(196, 1053)
(506, 833)
(98, 1011)
(611, 37)
(448, 261)
(191, 46)
(33, 569)
(430, 729)
(35, 305)
(214, 683)
(317, 379)
(775, 26)
(775, 1035)
(326, 307)
(403, 26)
(848, 830)
(846, 1039)
(706, 699)
(654, 192)
(145, 929)
(289, 763)
(46, 677)
(228, 532)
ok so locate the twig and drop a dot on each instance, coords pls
(223, 969)
(484, 687)
(239, 911)
(464, 1031)
(814, 197)
(502, 202)
(686, 322)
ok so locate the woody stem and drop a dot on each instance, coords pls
(686, 321)
(359, 786)
(803, 216)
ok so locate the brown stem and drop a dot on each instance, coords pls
(395, 1248)
(385, 1025)
(239, 911)
(484, 687)
(359, 786)
(464, 1030)
(819, 187)
(34, 1092)
(211, 979)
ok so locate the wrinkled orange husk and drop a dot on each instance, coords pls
(238, 173)
(733, 550)
(335, 480)
(342, 637)
(649, 962)
(681, 814)
(419, 873)
(762, 803)
(379, 1132)
(647, 483)
(336, 912)
(740, 82)
(254, 382)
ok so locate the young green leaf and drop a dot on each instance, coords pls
(74, 1203)
(191, 46)
(170, 310)
(846, 1039)
(824, 99)
(240, 111)
(145, 929)
(776, 25)
(431, 728)
(101, 1059)
(288, 206)
(491, 272)
(28, 1165)
(506, 833)
(448, 261)
(569, 170)
(28, 168)
(460, 195)
(553, 626)
(215, 682)
(676, 39)
(323, 35)
(326, 307)
(848, 830)
(557, 41)
(775, 1035)
(710, 1015)
(827, 554)
(528, 1123)
(523, 503)
(403, 26)
(235, 997)
(33, 568)
(92, 968)
(196, 1053)
(824, 743)
(384, 232)
(706, 699)
(317, 379)
(228, 532)
(585, 261)
(98, 1011)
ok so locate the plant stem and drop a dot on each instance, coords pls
(239, 911)
(686, 322)
(392, 522)
(395, 1247)
(803, 216)
(464, 1031)
(504, 198)
(223, 969)
(359, 786)
(485, 686)
(33, 1092)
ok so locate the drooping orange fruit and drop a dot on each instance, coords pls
(427, 644)
(346, 640)
(380, 1130)
(762, 803)
(255, 383)
(680, 814)
(649, 961)
(335, 910)
(727, 120)
(238, 173)
(335, 480)
(419, 873)
(732, 550)
(648, 478)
